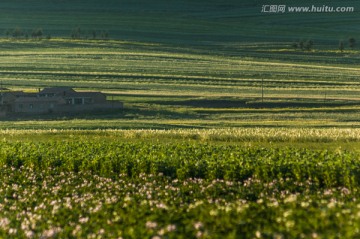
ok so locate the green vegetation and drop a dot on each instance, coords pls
(165, 87)
(180, 184)
(237, 123)
(201, 22)
(190, 64)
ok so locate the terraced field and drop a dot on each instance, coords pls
(165, 86)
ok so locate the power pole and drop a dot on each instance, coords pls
(262, 90)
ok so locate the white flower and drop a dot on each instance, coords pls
(50, 233)
(198, 225)
(151, 225)
(83, 220)
(199, 234)
(29, 234)
(171, 228)
(4, 223)
(291, 198)
(12, 231)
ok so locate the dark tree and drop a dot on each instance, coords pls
(8, 32)
(76, 33)
(352, 42)
(295, 45)
(17, 32)
(37, 33)
(341, 46)
(309, 45)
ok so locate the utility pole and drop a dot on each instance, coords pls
(262, 90)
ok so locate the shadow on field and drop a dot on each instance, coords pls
(315, 104)
(126, 114)
(206, 103)
(243, 103)
(148, 108)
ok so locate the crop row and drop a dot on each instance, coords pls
(50, 204)
(251, 134)
(89, 188)
(186, 160)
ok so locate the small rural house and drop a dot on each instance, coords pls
(55, 100)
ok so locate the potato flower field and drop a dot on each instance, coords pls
(132, 184)
(237, 122)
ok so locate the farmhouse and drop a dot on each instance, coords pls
(55, 100)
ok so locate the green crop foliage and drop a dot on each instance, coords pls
(183, 160)
(165, 184)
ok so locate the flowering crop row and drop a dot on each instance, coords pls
(227, 134)
(48, 204)
(94, 189)
(186, 160)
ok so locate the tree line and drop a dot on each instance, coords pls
(307, 45)
(78, 33)
(19, 33)
(38, 33)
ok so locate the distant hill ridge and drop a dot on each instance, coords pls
(183, 22)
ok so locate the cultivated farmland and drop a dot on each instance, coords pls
(136, 184)
(166, 87)
(231, 127)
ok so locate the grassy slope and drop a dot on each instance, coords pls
(194, 22)
(202, 53)
(165, 87)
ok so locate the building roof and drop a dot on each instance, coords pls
(57, 90)
(56, 95)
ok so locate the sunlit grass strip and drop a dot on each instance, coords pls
(230, 134)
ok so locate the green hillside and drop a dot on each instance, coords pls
(188, 63)
(169, 87)
(189, 22)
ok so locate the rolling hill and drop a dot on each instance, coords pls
(200, 22)
(190, 63)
